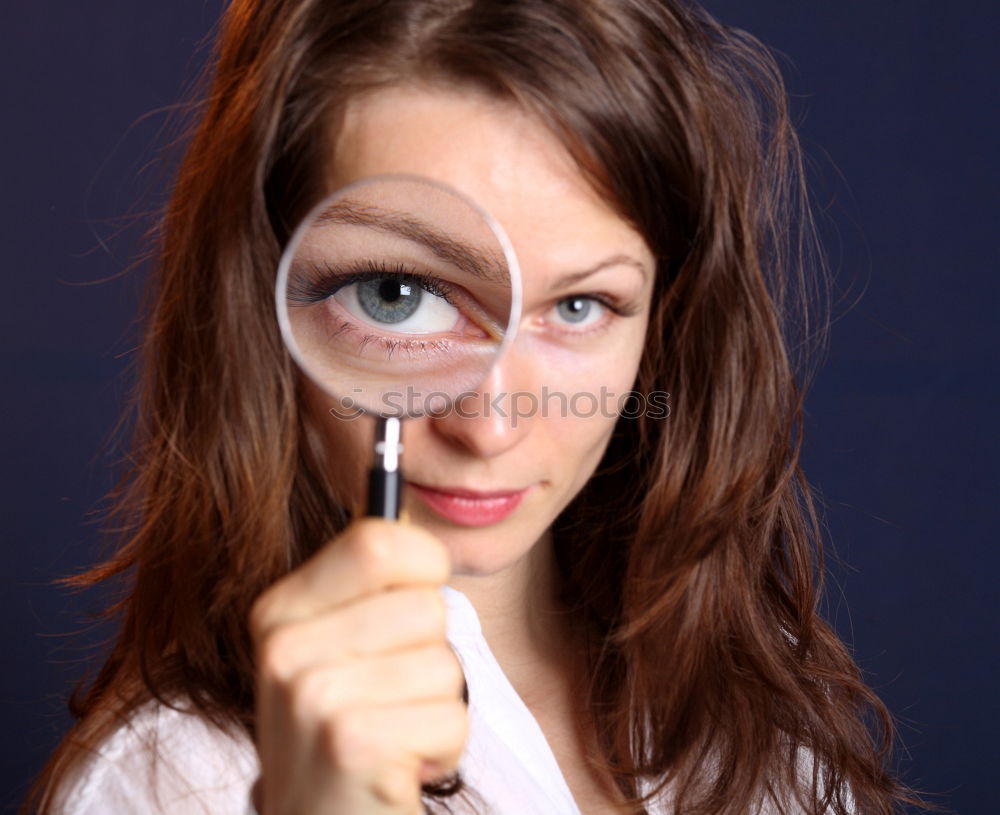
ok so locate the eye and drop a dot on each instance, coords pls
(579, 311)
(400, 303)
(374, 304)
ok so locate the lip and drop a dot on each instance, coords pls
(469, 507)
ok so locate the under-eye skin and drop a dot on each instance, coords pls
(411, 346)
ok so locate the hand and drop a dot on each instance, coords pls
(358, 691)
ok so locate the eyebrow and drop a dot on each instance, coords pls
(571, 279)
(483, 265)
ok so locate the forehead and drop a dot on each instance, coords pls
(501, 157)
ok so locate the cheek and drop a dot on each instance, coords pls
(603, 366)
(581, 394)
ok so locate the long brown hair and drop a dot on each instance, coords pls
(693, 554)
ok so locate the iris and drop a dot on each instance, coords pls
(575, 309)
(389, 300)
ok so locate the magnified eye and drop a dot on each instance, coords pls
(401, 303)
(395, 300)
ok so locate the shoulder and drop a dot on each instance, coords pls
(162, 760)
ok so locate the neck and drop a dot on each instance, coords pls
(521, 617)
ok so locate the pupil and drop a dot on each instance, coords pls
(390, 291)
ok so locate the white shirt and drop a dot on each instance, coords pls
(203, 770)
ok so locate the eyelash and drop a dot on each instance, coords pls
(329, 280)
(612, 304)
(390, 344)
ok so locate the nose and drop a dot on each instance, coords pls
(495, 417)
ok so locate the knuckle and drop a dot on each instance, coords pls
(447, 669)
(439, 609)
(351, 745)
(311, 694)
(275, 655)
(261, 615)
(397, 787)
(456, 719)
(429, 612)
(452, 724)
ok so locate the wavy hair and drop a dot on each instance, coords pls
(693, 555)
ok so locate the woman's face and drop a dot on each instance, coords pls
(490, 482)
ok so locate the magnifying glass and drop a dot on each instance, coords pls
(396, 295)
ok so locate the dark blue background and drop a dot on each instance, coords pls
(898, 108)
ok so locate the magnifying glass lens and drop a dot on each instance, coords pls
(396, 295)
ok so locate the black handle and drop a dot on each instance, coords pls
(384, 488)
(385, 484)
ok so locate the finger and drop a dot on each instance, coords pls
(390, 745)
(371, 555)
(379, 623)
(425, 674)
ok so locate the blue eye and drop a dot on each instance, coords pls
(574, 310)
(579, 310)
(388, 300)
(398, 302)
(384, 297)
(406, 304)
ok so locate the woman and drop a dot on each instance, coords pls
(635, 618)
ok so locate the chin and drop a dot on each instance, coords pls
(470, 560)
(481, 551)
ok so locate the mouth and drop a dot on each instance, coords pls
(469, 507)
